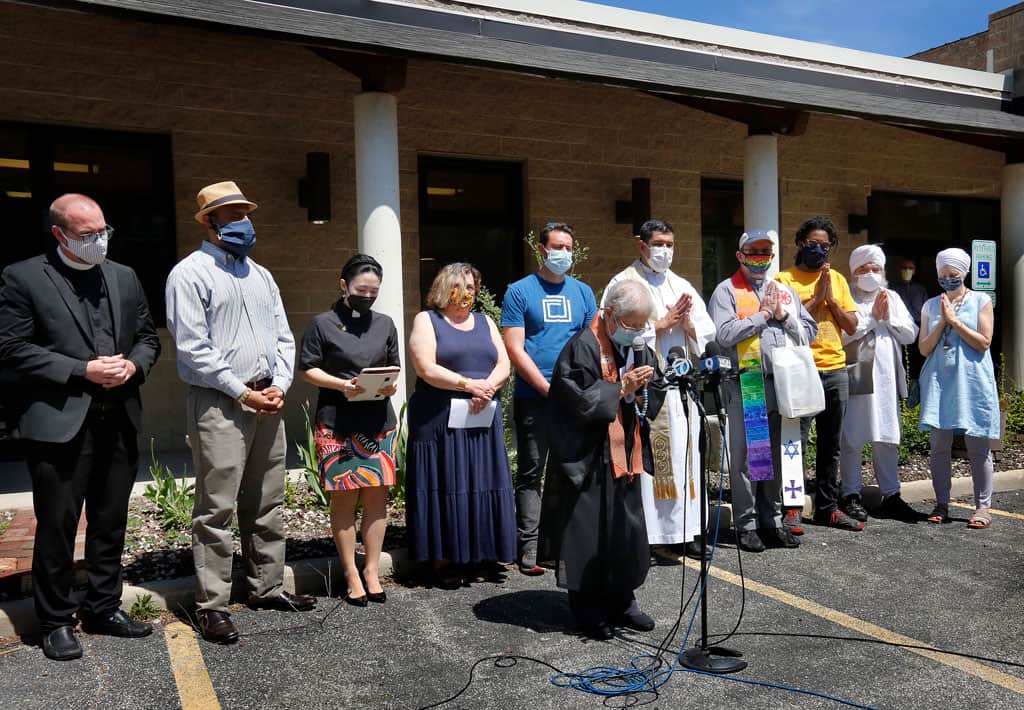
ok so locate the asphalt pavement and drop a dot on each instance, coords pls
(943, 586)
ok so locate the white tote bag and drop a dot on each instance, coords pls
(798, 387)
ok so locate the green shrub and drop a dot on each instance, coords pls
(310, 463)
(401, 457)
(913, 441)
(143, 608)
(174, 500)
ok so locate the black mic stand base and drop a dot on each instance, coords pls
(716, 659)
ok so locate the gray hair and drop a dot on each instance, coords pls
(629, 297)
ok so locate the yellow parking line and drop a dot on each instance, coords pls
(194, 686)
(1004, 513)
(974, 668)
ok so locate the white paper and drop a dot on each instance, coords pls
(460, 418)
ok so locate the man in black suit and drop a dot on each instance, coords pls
(75, 329)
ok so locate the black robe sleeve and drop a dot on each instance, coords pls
(583, 405)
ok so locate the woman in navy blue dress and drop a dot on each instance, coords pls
(460, 506)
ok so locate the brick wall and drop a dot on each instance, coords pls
(249, 109)
(969, 52)
(1006, 37)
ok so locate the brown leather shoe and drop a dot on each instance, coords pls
(216, 626)
(285, 602)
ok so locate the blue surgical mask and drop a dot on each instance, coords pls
(237, 237)
(623, 337)
(950, 283)
(813, 255)
(558, 261)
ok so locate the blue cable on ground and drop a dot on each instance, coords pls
(645, 673)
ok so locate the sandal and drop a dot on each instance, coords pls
(939, 514)
(980, 520)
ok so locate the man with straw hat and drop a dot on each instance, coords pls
(236, 352)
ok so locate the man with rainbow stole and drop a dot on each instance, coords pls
(754, 315)
(672, 494)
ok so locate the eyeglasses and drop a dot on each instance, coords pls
(827, 246)
(107, 232)
(758, 252)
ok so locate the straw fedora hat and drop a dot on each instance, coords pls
(217, 195)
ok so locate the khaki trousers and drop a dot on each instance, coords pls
(238, 457)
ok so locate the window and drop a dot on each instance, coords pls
(721, 224)
(471, 210)
(128, 174)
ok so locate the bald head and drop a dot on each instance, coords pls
(77, 213)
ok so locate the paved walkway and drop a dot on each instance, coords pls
(16, 550)
(861, 617)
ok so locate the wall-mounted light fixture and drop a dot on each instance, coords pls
(315, 188)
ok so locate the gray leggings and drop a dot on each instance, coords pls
(942, 466)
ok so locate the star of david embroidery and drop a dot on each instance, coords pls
(791, 449)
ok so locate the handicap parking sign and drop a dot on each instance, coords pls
(983, 265)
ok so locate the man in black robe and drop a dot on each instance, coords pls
(592, 522)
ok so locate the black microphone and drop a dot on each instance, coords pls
(641, 355)
(679, 367)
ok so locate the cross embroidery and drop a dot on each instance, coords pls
(792, 489)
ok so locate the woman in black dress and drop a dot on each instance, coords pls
(355, 441)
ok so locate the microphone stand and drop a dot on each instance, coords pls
(709, 659)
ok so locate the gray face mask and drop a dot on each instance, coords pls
(91, 250)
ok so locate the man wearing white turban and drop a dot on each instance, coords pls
(958, 384)
(877, 381)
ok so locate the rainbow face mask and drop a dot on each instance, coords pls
(462, 298)
(757, 264)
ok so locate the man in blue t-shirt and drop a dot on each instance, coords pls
(538, 316)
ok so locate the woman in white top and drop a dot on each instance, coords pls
(884, 326)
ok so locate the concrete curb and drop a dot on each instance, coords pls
(323, 574)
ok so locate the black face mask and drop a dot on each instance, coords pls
(813, 255)
(361, 304)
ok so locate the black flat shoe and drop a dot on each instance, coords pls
(61, 644)
(116, 624)
(356, 601)
(377, 597)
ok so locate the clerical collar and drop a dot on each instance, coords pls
(650, 274)
(73, 264)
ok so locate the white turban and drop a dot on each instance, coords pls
(866, 254)
(957, 258)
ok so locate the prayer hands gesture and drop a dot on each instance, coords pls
(880, 310)
(823, 289)
(949, 315)
(109, 371)
(636, 378)
(771, 304)
(678, 313)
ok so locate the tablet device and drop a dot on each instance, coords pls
(372, 379)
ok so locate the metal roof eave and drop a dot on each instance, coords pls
(498, 45)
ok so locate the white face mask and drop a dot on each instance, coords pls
(869, 282)
(660, 259)
(91, 251)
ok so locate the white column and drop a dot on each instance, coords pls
(1012, 206)
(377, 206)
(761, 186)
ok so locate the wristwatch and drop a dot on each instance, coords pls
(245, 396)
(461, 384)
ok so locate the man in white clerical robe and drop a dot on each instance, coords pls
(672, 495)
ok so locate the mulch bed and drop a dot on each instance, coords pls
(152, 552)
